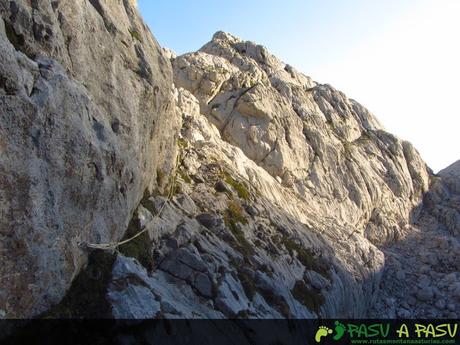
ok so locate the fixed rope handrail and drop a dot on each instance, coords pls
(115, 245)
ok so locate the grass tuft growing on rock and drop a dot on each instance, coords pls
(235, 212)
(165, 183)
(135, 35)
(247, 282)
(306, 257)
(232, 216)
(185, 177)
(182, 143)
(240, 188)
(277, 301)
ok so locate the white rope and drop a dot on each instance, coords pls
(115, 245)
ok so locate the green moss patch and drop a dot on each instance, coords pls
(310, 298)
(232, 216)
(306, 257)
(135, 35)
(240, 188)
(140, 247)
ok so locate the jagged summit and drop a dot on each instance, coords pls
(225, 36)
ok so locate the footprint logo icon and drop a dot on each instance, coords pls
(339, 331)
(322, 332)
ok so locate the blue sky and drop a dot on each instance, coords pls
(304, 30)
(398, 58)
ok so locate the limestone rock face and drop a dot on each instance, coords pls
(323, 148)
(87, 124)
(220, 259)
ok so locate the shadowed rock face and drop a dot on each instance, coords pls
(87, 121)
(421, 277)
(442, 202)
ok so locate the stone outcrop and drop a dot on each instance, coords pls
(230, 254)
(87, 125)
(323, 148)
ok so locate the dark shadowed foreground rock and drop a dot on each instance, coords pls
(87, 125)
(442, 202)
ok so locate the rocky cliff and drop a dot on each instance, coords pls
(87, 125)
(288, 200)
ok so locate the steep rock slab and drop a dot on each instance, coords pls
(87, 122)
